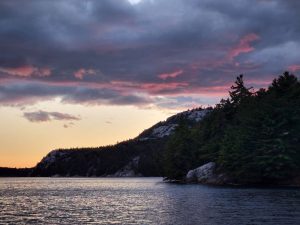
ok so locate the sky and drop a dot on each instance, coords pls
(77, 73)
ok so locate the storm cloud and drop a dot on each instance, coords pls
(154, 52)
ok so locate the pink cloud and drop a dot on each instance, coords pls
(174, 89)
(151, 88)
(156, 88)
(227, 63)
(174, 74)
(44, 72)
(79, 73)
(243, 46)
(294, 68)
(82, 72)
(26, 71)
(23, 71)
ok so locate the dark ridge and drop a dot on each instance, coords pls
(15, 172)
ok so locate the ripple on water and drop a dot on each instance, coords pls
(141, 201)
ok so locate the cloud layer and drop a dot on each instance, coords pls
(155, 52)
(43, 116)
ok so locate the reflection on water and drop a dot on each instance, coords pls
(141, 201)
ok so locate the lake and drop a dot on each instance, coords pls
(141, 201)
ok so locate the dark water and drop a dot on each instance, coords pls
(141, 201)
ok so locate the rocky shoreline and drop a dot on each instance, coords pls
(210, 174)
(207, 174)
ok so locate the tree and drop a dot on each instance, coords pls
(284, 83)
(261, 144)
(179, 155)
(254, 136)
(239, 92)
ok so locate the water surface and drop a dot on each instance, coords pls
(141, 201)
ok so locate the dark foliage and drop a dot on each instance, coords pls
(254, 136)
(14, 172)
(104, 161)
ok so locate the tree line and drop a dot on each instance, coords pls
(253, 136)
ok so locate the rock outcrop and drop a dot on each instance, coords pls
(206, 174)
(210, 174)
(165, 128)
(129, 170)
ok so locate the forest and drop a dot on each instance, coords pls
(253, 136)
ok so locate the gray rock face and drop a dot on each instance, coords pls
(202, 174)
(206, 174)
(129, 169)
(52, 157)
(167, 127)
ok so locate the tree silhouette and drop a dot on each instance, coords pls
(238, 91)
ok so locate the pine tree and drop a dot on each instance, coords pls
(239, 92)
(180, 153)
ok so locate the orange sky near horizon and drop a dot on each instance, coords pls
(24, 143)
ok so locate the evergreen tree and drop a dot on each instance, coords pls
(284, 83)
(180, 153)
(239, 92)
(254, 137)
(261, 144)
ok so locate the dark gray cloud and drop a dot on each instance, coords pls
(44, 116)
(18, 94)
(113, 52)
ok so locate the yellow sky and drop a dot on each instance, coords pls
(24, 143)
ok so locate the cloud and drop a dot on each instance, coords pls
(68, 125)
(294, 68)
(174, 74)
(23, 71)
(44, 116)
(26, 71)
(28, 92)
(243, 46)
(83, 72)
(114, 52)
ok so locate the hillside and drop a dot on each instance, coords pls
(141, 156)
